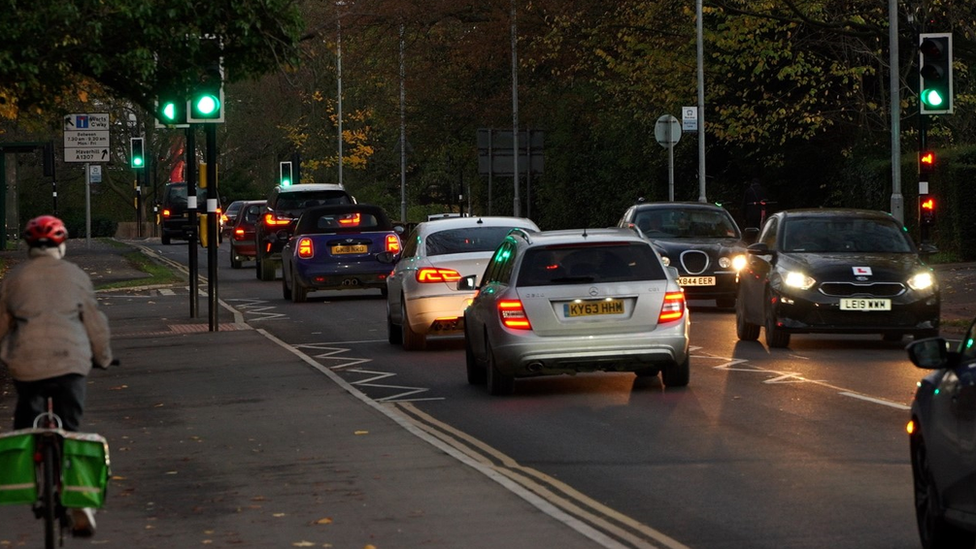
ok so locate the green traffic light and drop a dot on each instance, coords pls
(169, 111)
(137, 162)
(285, 182)
(932, 98)
(207, 105)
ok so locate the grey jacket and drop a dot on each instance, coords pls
(50, 324)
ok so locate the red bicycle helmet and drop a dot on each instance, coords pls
(45, 230)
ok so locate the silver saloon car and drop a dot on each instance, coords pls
(562, 302)
(422, 295)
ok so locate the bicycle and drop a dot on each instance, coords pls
(54, 471)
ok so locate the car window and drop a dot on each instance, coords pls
(343, 221)
(252, 213)
(410, 245)
(499, 268)
(308, 199)
(465, 239)
(626, 262)
(770, 230)
(686, 223)
(844, 234)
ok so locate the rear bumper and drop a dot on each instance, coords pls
(343, 276)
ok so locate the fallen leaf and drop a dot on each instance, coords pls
(279, 515)
(325, 520)
(303, 544)
(118, 387)
(362, 432)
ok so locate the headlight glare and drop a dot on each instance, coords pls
(739, 262)
(796, 279)
(921, 281)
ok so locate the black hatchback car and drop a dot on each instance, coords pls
(836, 271)
(701, 240)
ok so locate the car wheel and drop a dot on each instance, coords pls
(677, 375)
(499, 384)
(266, 270)
(285, 290)
(476, 374)
(235, 262)
(384, 292)
(393, 333)
(299, 293)
(726, 303)
(166, 240)
(257, 266)
(746, 330)
(412, 341)
(933, 529)
(776, 337)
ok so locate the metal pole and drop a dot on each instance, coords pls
(701, 104)
(515, 121)
(213, 228)
(339, 80)
(897, 199)
(191, 212)
(403, 133)
(87, 205)
(528, 173)
(491, 165)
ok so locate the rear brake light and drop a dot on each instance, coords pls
(673, 307)
(238, 234)
(393, 243)
(350, 220)
(167, 213)
(438, 275)
(271, 220)
(513, 315)
(305, 250)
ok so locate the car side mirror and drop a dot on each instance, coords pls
(930, 353)
(750, 235)
(927, 249)
(759, 248)
(468, 283)
(387, 257)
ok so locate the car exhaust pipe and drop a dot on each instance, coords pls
(534, 367)
(350, 282)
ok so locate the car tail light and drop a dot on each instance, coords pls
(272, 221)
(433, 274)
(513, 315)
(350, 220)
(305, 249)
(239, 233)
(393, 243)
(673, 307)
(167, 213)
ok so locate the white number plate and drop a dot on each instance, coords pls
(864, 304)
(696, 280)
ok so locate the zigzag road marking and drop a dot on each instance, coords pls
(255, 307)
(330, 354)
(345, 363)
(399, 397)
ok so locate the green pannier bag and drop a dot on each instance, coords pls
(18, 477)
(85, 470)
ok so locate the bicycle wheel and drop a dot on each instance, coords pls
(48, 457)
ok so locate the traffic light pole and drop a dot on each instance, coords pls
(923, 184)
(213, 228)
(191, 212)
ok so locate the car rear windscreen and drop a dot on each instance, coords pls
(585, 264)
(345, 220)
(466, 239)
(307, 199)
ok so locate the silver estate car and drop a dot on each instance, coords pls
(422, 298)
(582, 300)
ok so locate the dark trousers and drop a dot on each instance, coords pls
(67, 393)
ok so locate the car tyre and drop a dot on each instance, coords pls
(393, 332)
(476, 373)
(933, 529)
(776, 337)
(412, 341)
(677, 375)
(299, 293)
(746, 330)
(499, 384)
(235, 261)
(266, 269)
(166, 240)
(285, 290)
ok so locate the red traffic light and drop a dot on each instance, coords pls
(926, 162)
(928, 204)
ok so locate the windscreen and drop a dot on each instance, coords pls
(345, 220)
(686, 223)
(466, 239)
(626, 262)
(309, 199)
(844, 234)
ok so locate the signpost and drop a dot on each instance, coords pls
(667, 131)
(86, 138)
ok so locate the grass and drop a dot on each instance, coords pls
(158, 274)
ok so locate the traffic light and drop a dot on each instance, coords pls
(926, 162)
(926, 209)
(137, 153)
(206, 102)
(285, 174)
(935, 73)
(171, 108)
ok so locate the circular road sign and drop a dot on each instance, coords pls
(667, 131)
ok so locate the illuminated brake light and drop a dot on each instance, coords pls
(673, 307)
(167, 213)
(239, 234)
(437, 275)
(350, 220)
(393, 243)
(305, 250)
(270, 219)
(513, 315)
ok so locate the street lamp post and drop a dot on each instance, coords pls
(339, 81)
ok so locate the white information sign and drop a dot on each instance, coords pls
(86, 137)
(95, 173)
(689, 119)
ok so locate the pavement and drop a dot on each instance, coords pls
(233, 438)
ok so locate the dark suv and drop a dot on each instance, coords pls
(173, 219)
(277, 223)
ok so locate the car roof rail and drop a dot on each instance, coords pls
(521, 232)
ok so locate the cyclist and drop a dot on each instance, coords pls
(51, 333)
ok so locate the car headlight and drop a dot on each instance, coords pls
(739, 262)
(666, 261)
(796, 279)
(724, 262)
(921, 281)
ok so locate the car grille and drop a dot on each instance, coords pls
(694, 261)
(869, 289)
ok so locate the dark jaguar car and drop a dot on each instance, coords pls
(701, 240)
(836, 271)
